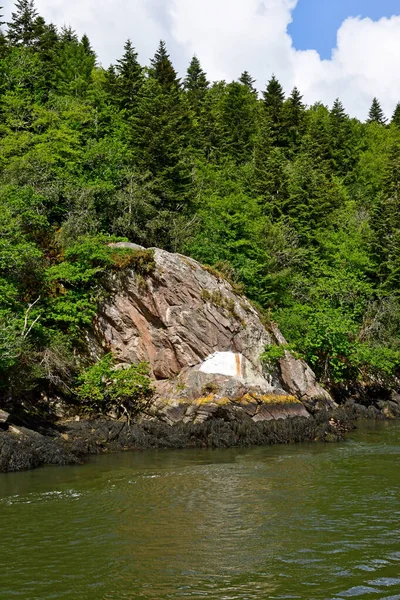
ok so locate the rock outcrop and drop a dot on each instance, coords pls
(203, 343)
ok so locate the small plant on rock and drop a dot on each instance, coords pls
(103, 388)
(272, 355)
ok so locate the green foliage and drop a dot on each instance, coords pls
(272, 355)
(297, 206)
(162, 69)
(128, 80)
(105, 388)
(196, 85)
(376, 113)
(77, 282)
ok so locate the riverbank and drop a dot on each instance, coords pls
(71, 442)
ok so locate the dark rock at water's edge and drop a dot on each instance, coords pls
(70, 443)
(368, 401)
(22, 449)
(4, 416)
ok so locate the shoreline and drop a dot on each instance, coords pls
(69, 443)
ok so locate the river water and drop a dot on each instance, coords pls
(308, 521)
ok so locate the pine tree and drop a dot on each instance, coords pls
(162, 69)
(110, 82)
(273, 99)
(312, 196)
(87, 46)
(376, 114)
(67, 36)
(269, 181)
(385, 223)
(247, 80)
(341, 148)
(293, 121)
(338, 113)
(238, 119)
(46, 45)
(161, 130)
(3, 39)
(210, 131)
(273, 103)
(47, 39)
(316, 141)
(396, 115)
(195, 84)
(21, 29)
(73, 66)
(129, 79)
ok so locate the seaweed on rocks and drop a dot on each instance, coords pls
(27, 450)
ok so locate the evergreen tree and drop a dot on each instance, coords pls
(67, 36)
(110, 82)
(129, 79)
(293, 121)
(87, 46)
(247, 80)
(162, 69)
(273, 104)
(160, 139)
(396, 115)
(273, 99)
(46, 47)
(316, 142)
(208, 135)
(47, 40)
(195, 84)
(385, 222)
(312, 197)
(3, 39)
(238, 119)
(21, 29)
(338, 113)
(73, 67)
(342, 153)
(375, 114)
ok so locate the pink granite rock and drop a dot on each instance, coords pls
(198, 336)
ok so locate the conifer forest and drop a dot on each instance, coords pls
(298, 206)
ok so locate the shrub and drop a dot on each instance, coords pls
(272, 354)
(102, 388)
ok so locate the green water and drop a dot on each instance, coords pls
(309, 522)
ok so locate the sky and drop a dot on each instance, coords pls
(328, 48)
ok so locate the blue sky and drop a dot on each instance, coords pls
(316, 22)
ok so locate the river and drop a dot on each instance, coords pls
(311, 521)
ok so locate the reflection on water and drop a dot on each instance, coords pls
(308, 522)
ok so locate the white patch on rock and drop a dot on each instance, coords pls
(231, 364)
(223, 363)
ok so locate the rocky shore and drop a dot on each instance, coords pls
(21, 448)
(203, 342)
(71, 442)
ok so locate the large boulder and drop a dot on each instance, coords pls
(203, 343)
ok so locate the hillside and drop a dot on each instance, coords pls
(298, 206)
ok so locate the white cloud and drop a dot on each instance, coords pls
(364, 65)
(230, 36)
